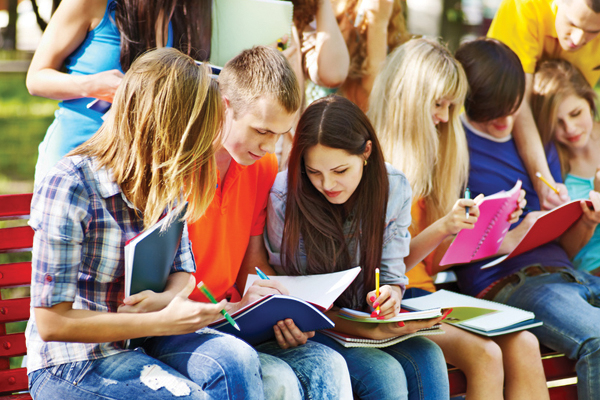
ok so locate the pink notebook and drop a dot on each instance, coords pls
(491, 227)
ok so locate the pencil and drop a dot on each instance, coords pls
(546, 182)
(377, 286)
(207, 293)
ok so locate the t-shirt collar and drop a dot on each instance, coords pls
(483, 134)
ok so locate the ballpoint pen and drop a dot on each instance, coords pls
(467, 196)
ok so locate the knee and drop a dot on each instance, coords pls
(238, 352)
(487, 357)
(590, 348)
(527, 344)
(278, 378)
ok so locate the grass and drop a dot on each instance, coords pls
(24, 120)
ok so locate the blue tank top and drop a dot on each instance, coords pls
(73, 122)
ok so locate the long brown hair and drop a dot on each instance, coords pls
(137, 23)
(158, 141)
(553, 82)
(337, 123)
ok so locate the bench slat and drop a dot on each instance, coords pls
(14, 310)
(15, 274)
(15, 205)
(13, 380)
(19, 238)
(13, 345)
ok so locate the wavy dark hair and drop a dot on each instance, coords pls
(337, 123)
(137, 19)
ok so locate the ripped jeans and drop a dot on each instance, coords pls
(206, 365)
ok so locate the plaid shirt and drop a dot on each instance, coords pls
(81, 221)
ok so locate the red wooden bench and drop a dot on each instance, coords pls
(12, 275)
(13, 382)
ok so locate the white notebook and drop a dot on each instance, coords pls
(505, 317)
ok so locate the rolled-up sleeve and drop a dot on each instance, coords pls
(59, 217)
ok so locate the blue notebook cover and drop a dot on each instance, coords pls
(150, 255)
(256, 320)
(149, 258)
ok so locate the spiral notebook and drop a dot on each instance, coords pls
(491, 227)
(505, 319)
(347, 340)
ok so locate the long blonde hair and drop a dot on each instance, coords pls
(553, 82)
(159, 138)
(434, 159)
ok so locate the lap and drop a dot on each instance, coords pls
(126, 375)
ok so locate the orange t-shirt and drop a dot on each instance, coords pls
(418, 276)
(220, 238)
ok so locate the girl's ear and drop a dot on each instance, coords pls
(368, 148)
(225, 102)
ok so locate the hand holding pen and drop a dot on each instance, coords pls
(209, 295)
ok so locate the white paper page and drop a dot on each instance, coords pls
(321, 290)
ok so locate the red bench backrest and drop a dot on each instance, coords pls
(12, 275)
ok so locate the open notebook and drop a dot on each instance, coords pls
(504, 319)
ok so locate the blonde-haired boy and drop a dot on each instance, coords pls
(261, 96)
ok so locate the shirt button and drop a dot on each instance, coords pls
(48, 278)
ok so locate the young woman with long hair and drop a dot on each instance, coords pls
(415, 106)
(143, 162)
(338, 206)
(565, 111)
(87, 47)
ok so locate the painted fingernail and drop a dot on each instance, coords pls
(380, 317)
(401, 324)
(372, 298)
(446, 313)
(376, 304)
(373, 314)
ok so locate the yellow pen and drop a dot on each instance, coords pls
(377, 287)
(539, 175)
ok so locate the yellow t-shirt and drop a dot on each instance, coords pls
(528, 28)
(418, 276)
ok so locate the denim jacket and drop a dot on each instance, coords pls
(396, 239)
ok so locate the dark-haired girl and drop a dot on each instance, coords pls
(338, 206)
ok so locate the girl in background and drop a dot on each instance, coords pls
(415, 106)
(564, 108)
(338, 206)
(87, 47)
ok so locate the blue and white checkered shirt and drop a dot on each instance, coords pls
(81, 221)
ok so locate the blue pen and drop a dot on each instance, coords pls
(261, 274)
(467, 196)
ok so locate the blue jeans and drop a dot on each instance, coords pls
(412, 369)
(310, 371)
(568, 303)
(208, 365)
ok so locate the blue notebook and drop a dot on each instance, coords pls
(256, 320)
(149, 256)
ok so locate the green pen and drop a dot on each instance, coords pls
(204, 290)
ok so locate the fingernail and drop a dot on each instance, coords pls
(380, 317)
(373, 314)
(372, 298)
(401, 324)
(446, 313)
(376, 304)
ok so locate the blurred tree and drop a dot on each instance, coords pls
(36, 10)
(9, 36)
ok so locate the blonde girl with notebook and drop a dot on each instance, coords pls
(339, 205)
(565, 110)
(415, 106)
